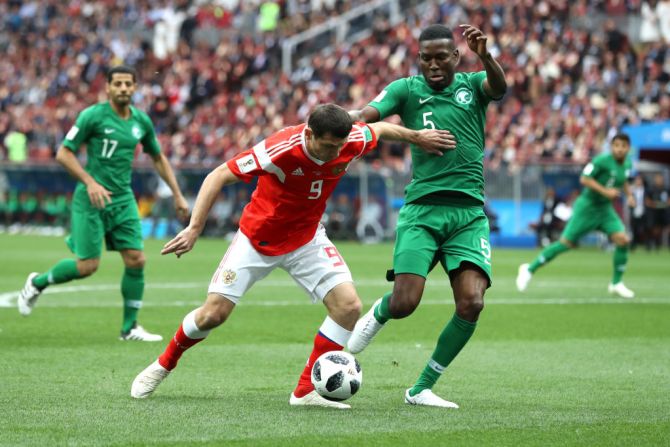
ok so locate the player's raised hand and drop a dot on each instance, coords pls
(181, 243)
(98, 195)
(434, 141)
(181, 207)
(475, 38)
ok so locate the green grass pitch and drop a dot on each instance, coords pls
(562, 364)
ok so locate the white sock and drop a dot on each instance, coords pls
(191, 329)
(335, 332)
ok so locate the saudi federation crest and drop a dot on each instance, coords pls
(228, 277)
(463, 96)
(137, 133)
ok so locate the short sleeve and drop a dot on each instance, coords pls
(150, 143)
(391, 99)
(477, 83)
(245, 166)
(370, 138)
(592, 168)
(80, 131)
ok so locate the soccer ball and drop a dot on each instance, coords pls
(337, 375)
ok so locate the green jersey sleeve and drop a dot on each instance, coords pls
(149, 141)
(477, 82)
(80, 131)
(593, 168)
(392, 99)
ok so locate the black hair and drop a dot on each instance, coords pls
(332, 119)
(121, 69)
(434, 32)
(621, 136)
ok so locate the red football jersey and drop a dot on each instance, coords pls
(293, 187)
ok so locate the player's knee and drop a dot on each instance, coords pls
(346, 310)
(87, 267)
(210, 317)
(470, 306)
(621, 240)
(353, 308)
(135, 261)
(403, 305)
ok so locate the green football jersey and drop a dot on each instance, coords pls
(459, 108)
(605, 170)
(110, 145)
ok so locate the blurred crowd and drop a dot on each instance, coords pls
(574, 72)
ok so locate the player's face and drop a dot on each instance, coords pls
(620, 149)
(121, 88)
(326, 147)
(438, 59)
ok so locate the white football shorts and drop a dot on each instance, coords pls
(316, 266)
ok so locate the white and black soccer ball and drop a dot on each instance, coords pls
(337, 375)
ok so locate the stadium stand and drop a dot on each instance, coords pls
(570, 82)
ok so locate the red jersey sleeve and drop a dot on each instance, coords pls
(368, 135)
(245, 166)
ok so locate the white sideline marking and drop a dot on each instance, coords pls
(8, 299)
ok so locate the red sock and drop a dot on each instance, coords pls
(321, 345)
(179, 343)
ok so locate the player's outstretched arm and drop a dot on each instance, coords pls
(367, 114)
(97, 194)
(164, 169)
(185, 240)
(610, 193)
(433, 141)
(495, 84)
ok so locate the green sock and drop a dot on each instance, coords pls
(452, 339)
(547, 255)
(65, 270)
(382, 313)
(620, 260)
(132, 290)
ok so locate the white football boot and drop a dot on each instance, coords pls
(148, 380)
(523, 277)
(621, 290)
(366, 328)
(429, 399)
(314, 399)
(140, 334)
(28, 296)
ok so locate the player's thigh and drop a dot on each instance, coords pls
(123, 229)
(317, 266)
(240, 268)
(611, 223)
(468, 242)
(582, 222)
(87, 231)
(418, 237)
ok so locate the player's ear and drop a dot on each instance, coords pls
(457, 56)
(308, 133)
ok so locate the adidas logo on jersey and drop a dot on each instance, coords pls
(298, 172)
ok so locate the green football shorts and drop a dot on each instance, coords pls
(118, 223)
(449, 234)
(587, 217)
